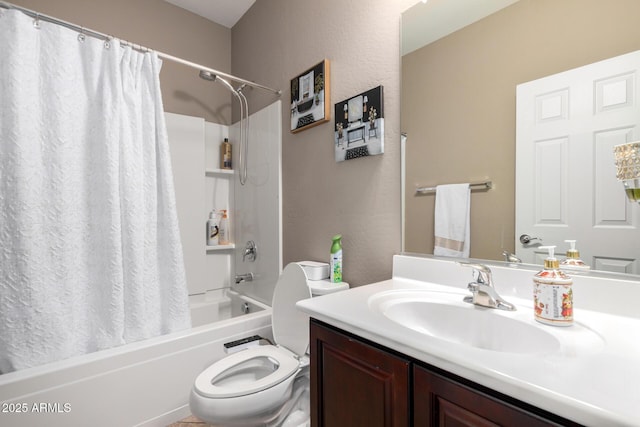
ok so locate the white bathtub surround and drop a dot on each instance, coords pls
(592, 378)
(91, 255)
(258, 203)
(254, 209)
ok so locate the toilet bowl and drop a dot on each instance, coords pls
(260, 385)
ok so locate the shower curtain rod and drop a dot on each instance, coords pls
(99, 35)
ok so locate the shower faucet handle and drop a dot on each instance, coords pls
(250, 251)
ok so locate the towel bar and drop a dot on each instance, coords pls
(484, 185)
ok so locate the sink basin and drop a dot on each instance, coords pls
(444, 316)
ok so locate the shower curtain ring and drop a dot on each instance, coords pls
(81, 36)
(107, 42)
(36, 22)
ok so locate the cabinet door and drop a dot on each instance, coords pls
(442, 402)
(355, 384)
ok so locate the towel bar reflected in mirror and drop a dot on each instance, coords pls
(484, 185)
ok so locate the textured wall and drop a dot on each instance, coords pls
(161, 26)
(459, 102)
(274, 42)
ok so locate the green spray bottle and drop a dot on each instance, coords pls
(336, 259)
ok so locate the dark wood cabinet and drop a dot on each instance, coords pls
(355, 382)
(439, 401)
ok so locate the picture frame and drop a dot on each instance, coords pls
(359, 130)
(310, 97)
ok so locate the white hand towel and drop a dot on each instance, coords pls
(452, 220)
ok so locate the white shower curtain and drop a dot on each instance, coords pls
(90, 253)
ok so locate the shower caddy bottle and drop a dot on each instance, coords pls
(225, 154)
(335, 264)
(552, 293)
(223, 229)
(212, 229)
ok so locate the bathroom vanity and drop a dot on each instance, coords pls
(391, 386)
(408, 351)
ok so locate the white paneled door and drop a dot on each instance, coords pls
(566, 187)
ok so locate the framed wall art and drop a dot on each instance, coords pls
(359, 126)
(310, 101)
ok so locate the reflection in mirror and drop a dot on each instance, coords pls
(628, 168)
(567, 126)
(459, 109)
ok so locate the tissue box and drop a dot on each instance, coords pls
(315, 270)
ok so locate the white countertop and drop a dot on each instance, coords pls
(594, 381)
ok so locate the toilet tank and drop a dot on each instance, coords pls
(318, 278)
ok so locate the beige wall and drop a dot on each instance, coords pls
(277, 40)
(161, 26)
(458, 103)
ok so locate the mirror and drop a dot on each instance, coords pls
(458, 101)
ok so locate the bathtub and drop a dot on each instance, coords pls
(138, 384)
(221, 304)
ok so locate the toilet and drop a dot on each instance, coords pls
(267, 384)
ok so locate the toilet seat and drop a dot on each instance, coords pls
(286, 364)
(255, 384)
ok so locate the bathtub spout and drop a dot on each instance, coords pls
(244, 278)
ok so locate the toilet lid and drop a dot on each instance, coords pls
(290, 325)
(214, 381)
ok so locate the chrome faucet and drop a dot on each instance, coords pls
(509, 257)
(248, 277)
(482, 290)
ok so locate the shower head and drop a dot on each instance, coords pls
(208, 75)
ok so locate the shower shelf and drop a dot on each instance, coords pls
(221, 247)
(214, 172)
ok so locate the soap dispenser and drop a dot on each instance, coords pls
(552, 293)
(573, 263)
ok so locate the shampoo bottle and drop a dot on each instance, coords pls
(212, 229)
(573, 263)
(223, 229)
(225, 154)
(335, 264)
(552, 293)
